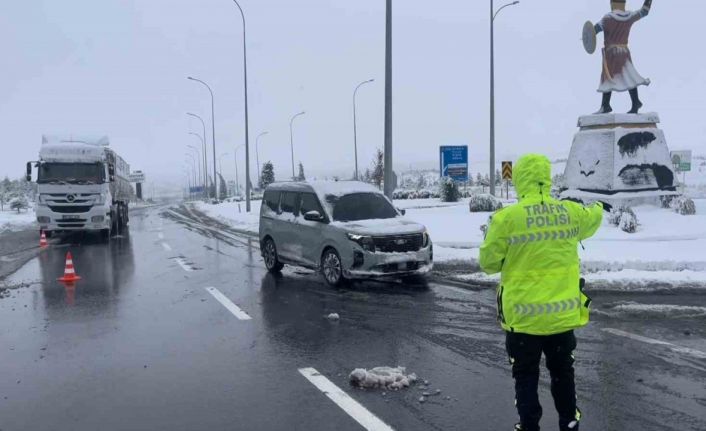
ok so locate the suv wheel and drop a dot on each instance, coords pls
(332, 268)
(270, 255)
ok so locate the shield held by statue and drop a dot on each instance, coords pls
(589, 37)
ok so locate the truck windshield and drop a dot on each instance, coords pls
(71, 173)
(361, 206)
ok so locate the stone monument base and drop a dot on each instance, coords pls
(619, 157)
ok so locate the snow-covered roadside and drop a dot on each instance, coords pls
(667, 249)
(11, 220)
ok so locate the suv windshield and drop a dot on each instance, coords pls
(73, 173)
(361, 206)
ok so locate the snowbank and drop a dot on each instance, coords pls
(233, 214)
(11, 220)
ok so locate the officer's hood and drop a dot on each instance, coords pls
(532, 176)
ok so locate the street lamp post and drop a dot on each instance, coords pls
(220, 166)
(389, 187)
(202, 156)
(493, 15)
(235, 157)
(247, 141)
(193, 164)
(291, 139)
(355, 131)
(213, 131)
(198, 158)
(203, 143)
(257, 154)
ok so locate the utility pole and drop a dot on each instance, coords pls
(389, 187)
(493, 15)
(291, 140)
(213, 132)
(355, 128)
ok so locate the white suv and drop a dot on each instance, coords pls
(345, 229)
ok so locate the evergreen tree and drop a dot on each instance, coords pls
(498, 177)
(267, 176)
(421, 181)
(301, 176)
(366, 175)
(223, 188)
(479, 179)
(448, 190)
(470, 181)
(378, 174)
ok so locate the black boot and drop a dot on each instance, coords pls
(605, 104)
(636, 104)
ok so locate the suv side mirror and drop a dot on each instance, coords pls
(402, 211)
(313, 216)
(28, 176)
(111, 172)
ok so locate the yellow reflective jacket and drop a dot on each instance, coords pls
(534, 244)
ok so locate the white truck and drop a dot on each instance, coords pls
(82, 185)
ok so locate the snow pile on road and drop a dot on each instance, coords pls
(382, 377)
(646, 311)
(334, 317)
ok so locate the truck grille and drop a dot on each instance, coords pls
(399, 243)
(70, 209)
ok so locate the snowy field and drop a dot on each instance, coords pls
(667, 250)
(11, 220)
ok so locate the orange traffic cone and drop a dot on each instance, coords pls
(69, 273)
(43, 240)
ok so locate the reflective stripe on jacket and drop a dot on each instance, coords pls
(534, 245)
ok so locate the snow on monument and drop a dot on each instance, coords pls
(619, 156)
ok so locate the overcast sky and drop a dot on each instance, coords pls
(119, 67)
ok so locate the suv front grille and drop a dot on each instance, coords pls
(399, 243)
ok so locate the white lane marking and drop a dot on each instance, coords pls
(160, 235)
(455, 289)
(183, 264)
(354, 409)
(166, 246)
(670, 346)
(228, 304)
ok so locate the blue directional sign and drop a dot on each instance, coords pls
(198, 189)
(453, 162)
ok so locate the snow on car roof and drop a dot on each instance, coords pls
(325, 188)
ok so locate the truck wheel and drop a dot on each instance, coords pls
(332, 268)
(269, 253)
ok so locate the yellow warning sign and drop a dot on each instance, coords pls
(507, 171)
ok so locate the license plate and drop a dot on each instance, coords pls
(402, 266)
(69, 217)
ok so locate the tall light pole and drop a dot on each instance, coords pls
(204, 178)
(291, 139)
(203, 142)
(193, 164)
(220, 166)
(493, 15)
(247, 134)
(198, 157)
(213, 131)
(257, 153)
(355, 131)
(389, 187)
(235, 157)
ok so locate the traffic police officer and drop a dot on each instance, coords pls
(533, 244)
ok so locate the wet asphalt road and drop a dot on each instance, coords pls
(140, 344)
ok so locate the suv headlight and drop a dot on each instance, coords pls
(366, 242)
(426, 240)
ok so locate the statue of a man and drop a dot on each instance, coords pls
(619, 73)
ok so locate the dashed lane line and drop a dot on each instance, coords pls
(228, 304)
(673, 347)
(166, 246)
(354, 409)
(185, 266)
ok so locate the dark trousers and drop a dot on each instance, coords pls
(525, 354)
